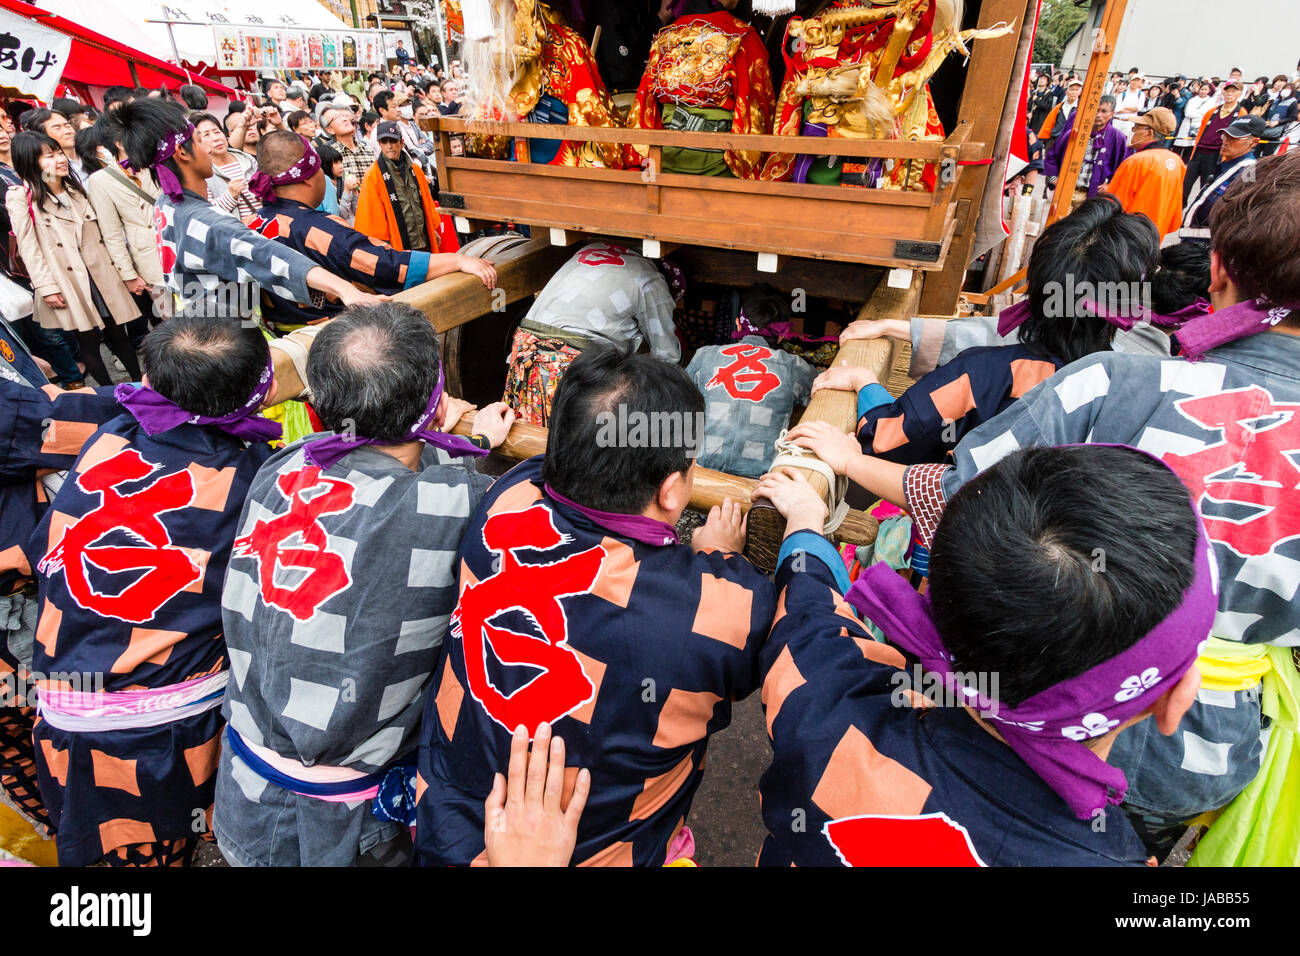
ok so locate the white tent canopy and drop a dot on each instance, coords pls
(125, 21)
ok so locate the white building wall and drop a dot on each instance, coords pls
(1199, 37)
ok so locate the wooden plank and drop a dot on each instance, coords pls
(838, 407)
(833, 280)
(873, 239)
(454, 299)
(930, 150)
(984, 96)
(526, 180)
(710, 487)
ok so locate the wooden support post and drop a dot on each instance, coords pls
(989, 86)
(711, 487)
(840, 408)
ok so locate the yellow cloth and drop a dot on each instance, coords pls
(1262, 826)
(1232, 665)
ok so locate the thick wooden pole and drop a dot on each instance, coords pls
(711, 487)
(989, 86)
(839, 408)
(457, 298)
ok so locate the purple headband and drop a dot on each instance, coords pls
(327, 451)
(1049, 731)
(1014, 316)
(167, 180)
(1175, 320)
(1226, 325)
(263, 186)
(637, 527)
(157, 414)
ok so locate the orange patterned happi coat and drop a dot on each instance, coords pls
(713, 61)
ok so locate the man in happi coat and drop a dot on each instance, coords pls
(42, 431)
(606, 294)
(130, 558)
(291, 183)
(979, 733)
(1223, 417)
(580, 609)
(337, 598)
(208, 257)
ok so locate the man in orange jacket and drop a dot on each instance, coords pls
(1151, 180)
(395, 205)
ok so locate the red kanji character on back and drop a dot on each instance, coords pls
(535, 591)
(747, 370)
(268, 543)
(1254, 465)
(168, 569)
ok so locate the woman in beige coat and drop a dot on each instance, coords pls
(76, 285)
(124, 204)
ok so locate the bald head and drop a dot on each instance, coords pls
(278, 151)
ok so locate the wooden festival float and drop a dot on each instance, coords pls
(899, 253)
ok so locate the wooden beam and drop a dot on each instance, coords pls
(839, 408)
(711, 487)
(984, 99)
(927, 150)
(852, 282)
(457, 298)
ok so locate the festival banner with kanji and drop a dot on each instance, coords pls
(32, 57)
(262, 48)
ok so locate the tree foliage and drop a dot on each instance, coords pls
(1059, 19)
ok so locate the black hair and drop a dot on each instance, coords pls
(117, 94)
(87, 147)
(604, 391)
(294, 119)
(381, 99)
(1182, 277)
(366, 122)
(372, 370)
(1056, 559)
(194, 97)
(26, 149)
(328, 157)
(68, 107)
(141, 125)
(1097, 247)
(34, 120)
(208, 365)
(236, 106)
(196, 118)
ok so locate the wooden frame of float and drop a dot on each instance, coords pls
(664, 210)
(881, 227)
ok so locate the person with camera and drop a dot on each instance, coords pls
(245, 128)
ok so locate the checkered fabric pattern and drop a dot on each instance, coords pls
(202, 247)
(130, 558)
(865, 773)
(925, 423)
(632, 651)
(750, 390)
(612, 294)
(336, 603)
(1228, 425)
